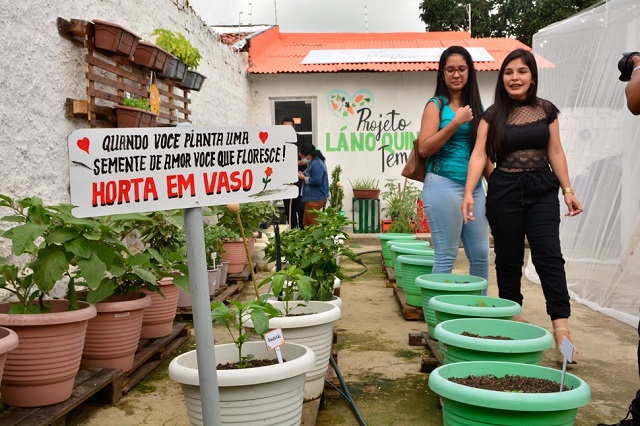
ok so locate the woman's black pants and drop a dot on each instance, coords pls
(525, 204)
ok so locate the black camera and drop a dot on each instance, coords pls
(625, 65)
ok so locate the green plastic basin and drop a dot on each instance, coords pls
(526, 343)
(407, 247)
(413, 266)
(436, 284)
(454, 306)
(384, 240)
(464, 405)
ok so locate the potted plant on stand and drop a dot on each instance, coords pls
(135, 112)
(401, 206)
(45, 254)
(365, 188)
(245, 377)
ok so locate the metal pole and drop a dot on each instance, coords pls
(199, 285)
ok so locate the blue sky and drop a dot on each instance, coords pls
(315, 15)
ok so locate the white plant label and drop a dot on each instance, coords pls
(274, 339)
(566, 349)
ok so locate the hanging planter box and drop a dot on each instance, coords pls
(192, 81)
(134, 117)
(151, 56)
(176, 69)
(114, 38)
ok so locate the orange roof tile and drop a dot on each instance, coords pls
(273, 52)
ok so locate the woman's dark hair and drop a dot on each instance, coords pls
(470, 92)
(310, 149)
(504, 104)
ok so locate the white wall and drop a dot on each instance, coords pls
(403, 92)
(40, 69)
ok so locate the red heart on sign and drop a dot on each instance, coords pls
(263, 136)
(83, 144)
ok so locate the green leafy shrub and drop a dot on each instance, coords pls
(142, 103)
(177, 44)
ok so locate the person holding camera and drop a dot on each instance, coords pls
(629, 67)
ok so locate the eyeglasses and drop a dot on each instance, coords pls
(462, 70)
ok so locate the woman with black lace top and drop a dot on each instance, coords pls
(521, 134)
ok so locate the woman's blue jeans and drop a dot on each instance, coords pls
(442, 199)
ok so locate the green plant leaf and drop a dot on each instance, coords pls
(93, 271)
(23, 237)
(48, 268)
(146, 275)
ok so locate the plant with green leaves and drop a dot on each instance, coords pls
(364, 183)
(401, 205)
(140, 103)
(55, 245)
(177, 44)
(233, 317)
(162, 233)
(290, 284)
(336, 192)
(214, 238)
(316, 251)
(252, 216)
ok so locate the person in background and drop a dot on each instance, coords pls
(630, 68)
(521, 133)
(294, 208)
(315, 182)
(447, 135)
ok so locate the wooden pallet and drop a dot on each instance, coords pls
(432, 361)
(409, 313)
(106, 384)
(242, 276)
(224, 293)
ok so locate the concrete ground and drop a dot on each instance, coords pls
(382, 371)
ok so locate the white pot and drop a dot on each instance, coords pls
(315, 331)
(270, 395)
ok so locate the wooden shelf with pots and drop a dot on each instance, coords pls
(110, 77)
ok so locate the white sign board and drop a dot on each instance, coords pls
(117, 171)
(360, 56)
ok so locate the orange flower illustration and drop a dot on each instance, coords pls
(268, 172)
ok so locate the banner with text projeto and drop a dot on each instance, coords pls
(115, 171)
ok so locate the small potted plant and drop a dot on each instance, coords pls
(336, 192)
(401, 207)
(135, 112)
(302, 320)
(252, 216)
(178, 45)
(365, 188)
(247, 371)
(316, 250)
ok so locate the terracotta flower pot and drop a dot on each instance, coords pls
(151, 56)
(114, 38)
(236, 255)
(369, 194)
(113, 335)
(8, 342)
(158, 317)
(42, 369)
(134, 117)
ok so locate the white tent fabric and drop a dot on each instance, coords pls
(602, 141)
